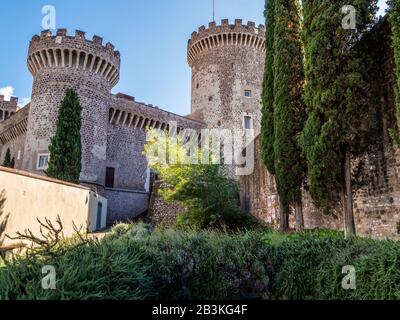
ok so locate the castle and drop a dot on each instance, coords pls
(227, 62)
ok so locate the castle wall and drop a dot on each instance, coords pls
(13, 136)
(16, 147)
(377, 189)
(126, 137)
(7, 108)
(125, 205)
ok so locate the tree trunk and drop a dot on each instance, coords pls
(347, 198)
(284, 217)
(299, 216)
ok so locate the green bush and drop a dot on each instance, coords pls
(84, 271)
(205, 189)
(309, 266)
(139, 262)
(186, 264)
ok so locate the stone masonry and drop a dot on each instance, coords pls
(7, 108)
(227, 61)
(377, 187)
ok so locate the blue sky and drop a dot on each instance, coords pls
(150, 34)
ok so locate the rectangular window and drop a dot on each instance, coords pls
(247, 123)
(110, 176)
(99, 216)
(248, 93)
(42, 162)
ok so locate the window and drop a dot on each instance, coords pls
(99, 223)
(42, 162)
(248, 123)
(248, 93)
(110, 176)
(19, 155)
(210, 98)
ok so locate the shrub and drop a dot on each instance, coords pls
(85, 271)
(137, 262)
(186, 264)
(309, 266)
(205, 189)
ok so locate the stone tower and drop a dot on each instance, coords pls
(58, 62)
(227, 63)
(7, 108)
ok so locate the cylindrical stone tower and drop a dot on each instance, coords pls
(227, 63)
(60, 62)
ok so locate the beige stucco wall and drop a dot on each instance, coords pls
(30, 197)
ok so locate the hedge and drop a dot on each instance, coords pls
(137, 262)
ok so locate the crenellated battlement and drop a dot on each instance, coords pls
(127, 112)
(12, 103)
(65, 51)
(225, 34)
(7, 108)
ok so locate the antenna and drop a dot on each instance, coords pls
(213, 10)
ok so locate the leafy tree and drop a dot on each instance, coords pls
(394, 18)
(66, 147)
(333, 94)
(205, 189)
(7, 159)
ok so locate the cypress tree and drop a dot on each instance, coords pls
(334, 98)
(289, 111)
(7, 159)
(394, 18)
(267, 121)
(283, 110)
(65, 148)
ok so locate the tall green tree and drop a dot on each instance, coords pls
(283, 110)
(66, 146)
(267, 121)
(289, 110)
(394, 18)
(334, 97)
(7, 159)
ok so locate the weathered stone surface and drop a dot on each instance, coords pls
(227, 60)
(377, 198)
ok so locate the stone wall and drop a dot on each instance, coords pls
(13, 136)
(161, 212)
(7, 108)
(377, 190)
(125, 205)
